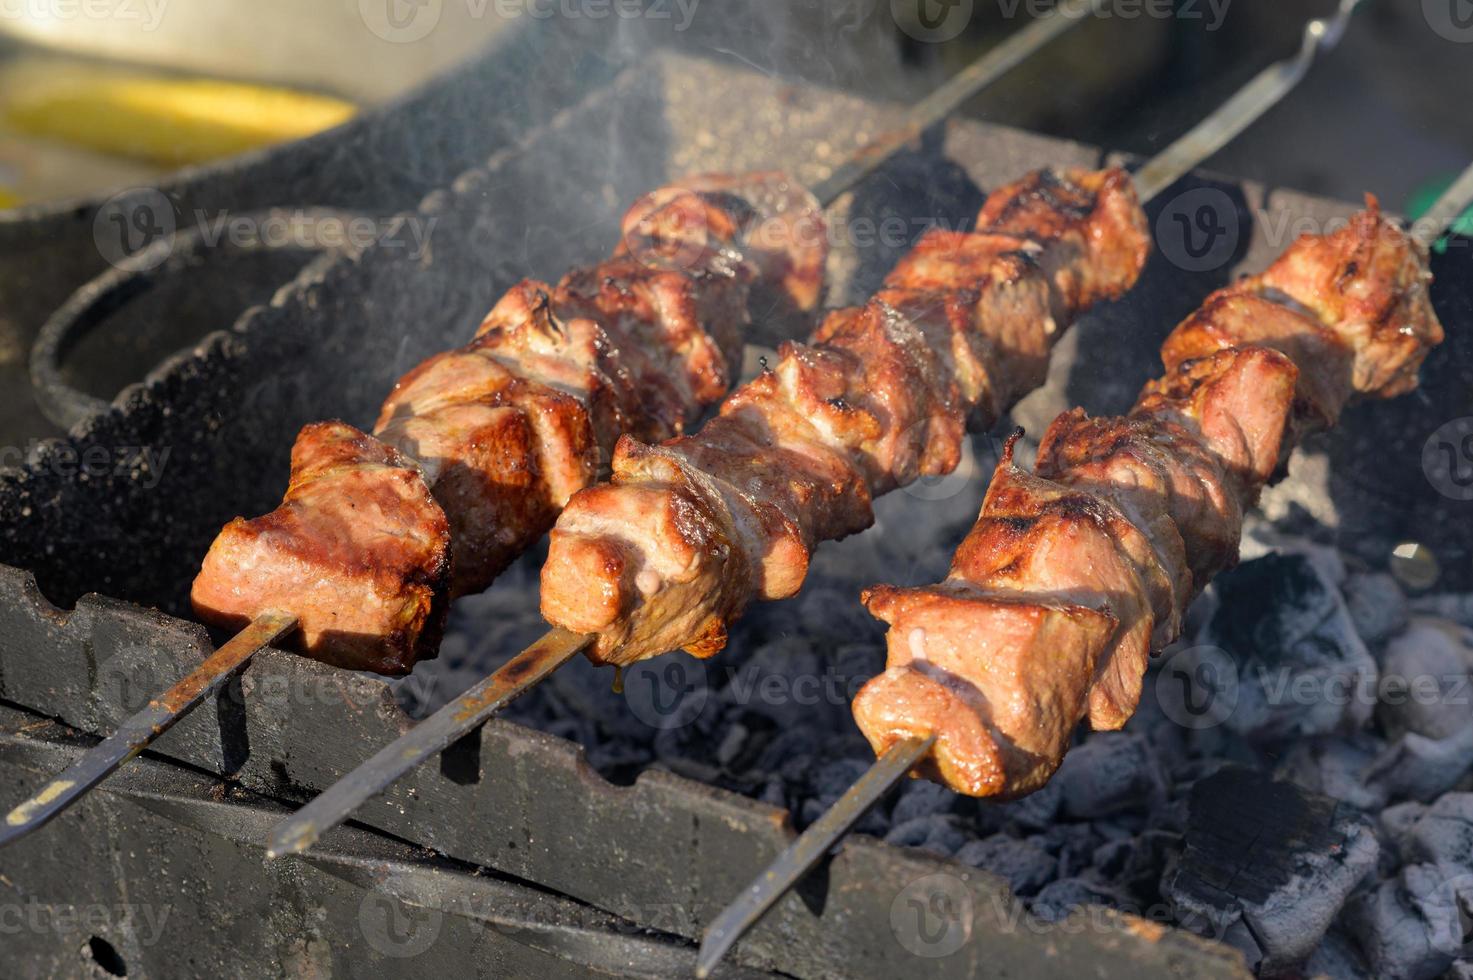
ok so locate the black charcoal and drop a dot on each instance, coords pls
(1024, 866)
(1442, 835)
(1415, 767)
(1425, 684)
(1377, 606)
(1336, 767)
(1111, 772)
(1300, 661)
(1057, 900)
(1272, 856)
(937, 834)
(1414, 926)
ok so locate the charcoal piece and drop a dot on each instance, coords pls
(937, 834)
(1442, 835)
(1415, 767)
(1397, 821)
(1414, 926)
(1302, 669)
(1033, 812)
(922, 798)
(1425, 685)
(1336, 767)
(1337, 958)
(1265, 853)
(1055, 901)
(1377, 606)
(827, 782)
(1025, 867)
(786, 681)
(1110, 773)
(1145, 863)
(731, 746)
(789, 744)
(1072, 844)
(1113, 856)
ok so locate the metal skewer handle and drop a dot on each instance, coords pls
(1205, 139)
(474, 707)
(135, 734)
(953, 95)
(1265, 91)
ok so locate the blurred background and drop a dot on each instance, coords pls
(230, 106)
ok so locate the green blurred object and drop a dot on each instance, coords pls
(1427, 196)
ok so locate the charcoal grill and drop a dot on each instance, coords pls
(570, 872)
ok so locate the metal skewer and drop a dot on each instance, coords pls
(1161, 173)
(554, 649)
(472, 709)
(900, 758)
(135, 734)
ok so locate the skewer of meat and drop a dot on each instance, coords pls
(477, 449)
(1059, 624)
(671, 551)
(1074, 573)
(360, 552)
(691, 530)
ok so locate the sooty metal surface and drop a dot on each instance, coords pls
(522, 802)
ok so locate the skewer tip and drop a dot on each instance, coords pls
(290, 838)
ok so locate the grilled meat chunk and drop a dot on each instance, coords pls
(765, 227)
(690, 531)
(1129, 518)
(505, 429)
(359, 550)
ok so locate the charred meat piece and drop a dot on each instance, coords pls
(1131, 517)
(1369, 282)
(504, 430)
(359, 550)
(689, 532)
(766, 228)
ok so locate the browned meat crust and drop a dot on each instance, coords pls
(508, 427)
(358, 550)
(690, 531)
(1131, 517)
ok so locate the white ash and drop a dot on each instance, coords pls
(1413, 926)
(768, 717)
(1427, 683)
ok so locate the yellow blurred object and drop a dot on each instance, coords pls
(8, 200)
(168, 121)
